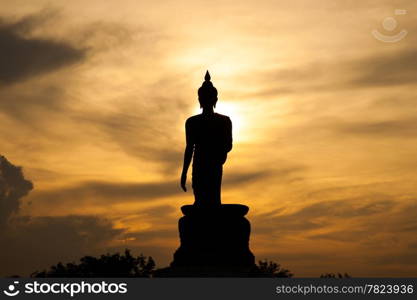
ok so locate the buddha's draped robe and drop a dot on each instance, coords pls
(211, 138)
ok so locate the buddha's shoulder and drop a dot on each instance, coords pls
(200, 117)
(192, 121)
(223, 117)
(193, 118)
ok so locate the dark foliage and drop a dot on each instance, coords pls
(333, 275)
(267, 268)
(109, 265)
(125, 265)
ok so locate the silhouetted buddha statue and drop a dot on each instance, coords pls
(208, 140)
(214, 241)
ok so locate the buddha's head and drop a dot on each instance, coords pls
(207, 93)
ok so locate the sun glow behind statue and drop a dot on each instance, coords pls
(235, 112)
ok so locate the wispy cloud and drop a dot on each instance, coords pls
(23, 56)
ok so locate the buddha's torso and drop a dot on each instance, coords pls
(211, 138)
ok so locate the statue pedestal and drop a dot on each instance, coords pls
(214, 242)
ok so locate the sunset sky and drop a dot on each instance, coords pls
(94, 96)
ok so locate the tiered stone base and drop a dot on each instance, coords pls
(214, 242)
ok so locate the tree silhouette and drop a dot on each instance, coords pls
(333, 275)
(267, 268)
(108, 265)
(125, 265)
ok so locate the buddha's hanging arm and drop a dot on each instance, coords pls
(229, 137)
(188, 154)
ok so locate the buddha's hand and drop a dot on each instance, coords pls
(184, 181)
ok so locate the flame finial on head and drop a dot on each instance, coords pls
(207, 90)
(207, 77)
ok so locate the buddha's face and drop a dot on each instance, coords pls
(207, 102)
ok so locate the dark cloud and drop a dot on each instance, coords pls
(31, 244)
(304, 255)
(236, 179)
(385, 223)
(143, 126)
(413, 245)
(383, 69)
(374, 225)
(386, 69)
(321, 214)
(29, 105)
(397, 258)
(297, 79)
(348, 235)
(93, 192)
(344, 208)
(13, 186)
(400, 127)
(407, 217)
(28, 51)
(391, 128)
(23, 57)
(149, 235)
(158, 211)
(356, 190)
(282, 175)
(405, 102)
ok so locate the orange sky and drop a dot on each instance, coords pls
(93, 99)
